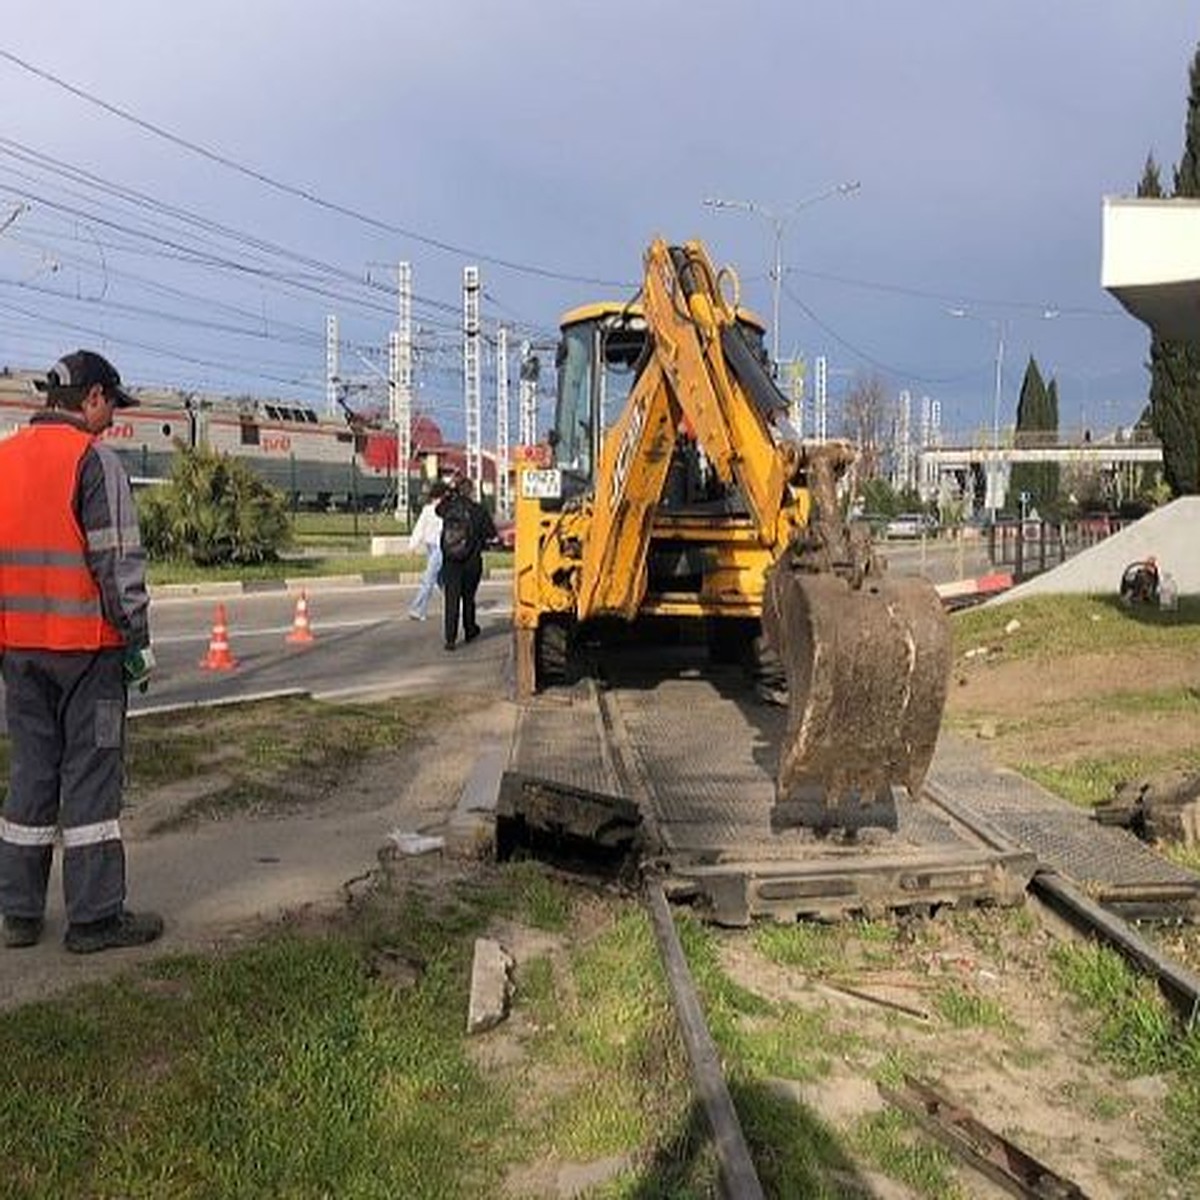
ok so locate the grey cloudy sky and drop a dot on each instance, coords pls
(549, 142)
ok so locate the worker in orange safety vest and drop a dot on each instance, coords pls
(74, 633)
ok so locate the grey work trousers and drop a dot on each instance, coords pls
(66, 725)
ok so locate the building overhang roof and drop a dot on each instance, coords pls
(1151, 262)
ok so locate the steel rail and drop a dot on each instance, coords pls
(738, 1176)
(739, 1179)
(1180, 986)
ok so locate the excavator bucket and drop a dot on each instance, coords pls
(867, 665)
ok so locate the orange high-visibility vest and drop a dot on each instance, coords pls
(48, 597)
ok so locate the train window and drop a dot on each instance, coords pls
(166, 429)
(249, 434)
(344, 437)
(271, 411)
(310, 416)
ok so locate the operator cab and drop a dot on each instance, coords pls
(599, 358)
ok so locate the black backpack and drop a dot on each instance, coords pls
(456, 531)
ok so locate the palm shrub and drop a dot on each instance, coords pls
(213, 509)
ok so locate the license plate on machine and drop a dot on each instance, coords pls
(542, 484)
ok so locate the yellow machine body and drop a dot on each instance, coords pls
(672, 485)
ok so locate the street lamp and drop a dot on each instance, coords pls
(1001, 328)
(779, 224)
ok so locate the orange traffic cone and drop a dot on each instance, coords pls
(301, 632)
(218, 657)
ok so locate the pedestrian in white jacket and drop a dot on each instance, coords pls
(426, 538)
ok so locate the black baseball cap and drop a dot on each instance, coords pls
(85, 369)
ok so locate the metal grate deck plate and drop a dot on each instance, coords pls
(710, 755)
(1062, 836)
(561, 739)
(697, 753)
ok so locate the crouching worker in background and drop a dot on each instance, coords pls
(1140, 582)
(74, 633)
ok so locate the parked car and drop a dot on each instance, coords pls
(911, 525)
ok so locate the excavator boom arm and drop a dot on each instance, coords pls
(693, 378)
(866, 656)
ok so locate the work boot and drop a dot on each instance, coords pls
(113, 933)
(20, 932)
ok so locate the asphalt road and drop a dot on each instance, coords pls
(364, 643)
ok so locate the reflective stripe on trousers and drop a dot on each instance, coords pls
(65, 708)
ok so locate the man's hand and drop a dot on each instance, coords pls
(138, 666)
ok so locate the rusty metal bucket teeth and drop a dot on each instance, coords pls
(867, 672)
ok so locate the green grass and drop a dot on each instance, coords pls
(291, 1068)
(827, 950)
(283, 1070)
(964, 1008)
(331, 528)
(1136, 1032)
(889, 1139)
(1090, 781)
(815, 949)
(1134, 1027)
(1056, 627)
(328, 544)
(1185, 856)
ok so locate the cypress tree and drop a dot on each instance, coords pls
(1051, 471)
(1175, 366)
(1037, 425)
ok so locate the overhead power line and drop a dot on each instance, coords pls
(302, 193)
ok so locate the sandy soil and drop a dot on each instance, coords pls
(1033, 714)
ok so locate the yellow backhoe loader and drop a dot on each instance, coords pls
(672, 486)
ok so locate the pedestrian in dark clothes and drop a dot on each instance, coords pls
(74, 633)
(467, 527)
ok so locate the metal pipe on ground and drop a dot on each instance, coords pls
(738, 1176)
(1179, 985)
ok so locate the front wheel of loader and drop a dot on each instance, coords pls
(555, 652)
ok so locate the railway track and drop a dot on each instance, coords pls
(634, 768)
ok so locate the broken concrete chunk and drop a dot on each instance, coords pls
(415, 843)
(490, 985)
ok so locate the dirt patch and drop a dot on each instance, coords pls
(1011, 1047)
(238, 778)
(1032, 712)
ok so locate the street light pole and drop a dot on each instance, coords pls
(996, 415)
(779, 224)
(1001, 328)
(777, 280)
